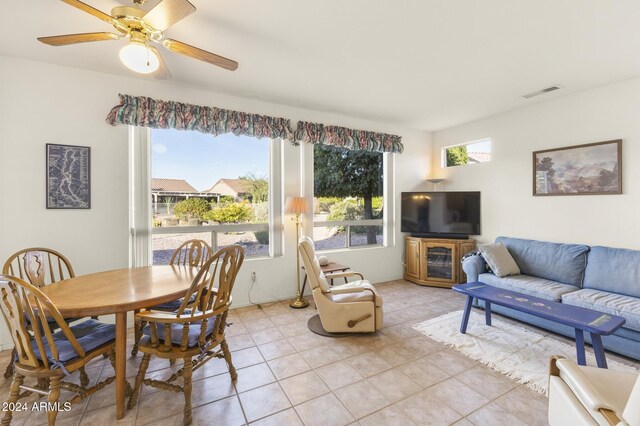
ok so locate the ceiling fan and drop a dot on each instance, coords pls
(142, 29)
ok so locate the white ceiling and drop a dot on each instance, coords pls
(426, 64)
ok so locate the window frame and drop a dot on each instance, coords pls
(140, 200)
(388, 212)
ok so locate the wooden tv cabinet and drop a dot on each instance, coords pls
(435, 261)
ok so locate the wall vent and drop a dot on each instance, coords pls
(543, 91)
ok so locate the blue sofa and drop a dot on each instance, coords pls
(601, 278)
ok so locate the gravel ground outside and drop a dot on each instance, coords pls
(165, 244)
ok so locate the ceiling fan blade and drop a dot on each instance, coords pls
(167, 13)
(92, 11)
(162, 73)
(194, 52)
(63, 40)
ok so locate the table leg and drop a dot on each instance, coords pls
(598, 349)
(121, 363)
(487, 313)
(304, 284)
(465, 315)
(580, 348)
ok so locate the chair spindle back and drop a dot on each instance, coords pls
(39, 266)
(21, 300)
(192, 253)
(223, 267)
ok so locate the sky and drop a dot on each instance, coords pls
(202, 159)
(484, 146)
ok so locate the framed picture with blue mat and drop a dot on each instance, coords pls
(68, 177)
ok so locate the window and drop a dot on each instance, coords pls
(348, 188)
(469, 153)
(218, 189)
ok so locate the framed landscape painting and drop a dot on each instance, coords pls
(591, 169)
(68, 177)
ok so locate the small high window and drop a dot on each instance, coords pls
(469, 153)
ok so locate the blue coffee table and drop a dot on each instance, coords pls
(596, 323)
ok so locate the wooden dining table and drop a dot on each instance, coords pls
(119, 292)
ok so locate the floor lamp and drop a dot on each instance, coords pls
(297, 206)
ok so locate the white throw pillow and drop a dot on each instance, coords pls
(499, 259)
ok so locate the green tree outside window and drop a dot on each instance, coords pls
(457, 156)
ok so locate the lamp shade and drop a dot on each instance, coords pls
(435, 180)
(296, 205)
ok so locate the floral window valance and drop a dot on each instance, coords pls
(158, 114)
(317, 133)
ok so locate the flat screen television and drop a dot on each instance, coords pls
(441, 214)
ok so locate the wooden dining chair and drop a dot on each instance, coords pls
(190, 253)
(39, 266)
(194, 334)
(47, 356)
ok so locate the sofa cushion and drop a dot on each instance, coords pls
(499, 260)
(613, 270)
(532, 286)
(616, 304)
(564, 263)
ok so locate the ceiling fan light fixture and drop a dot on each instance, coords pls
(139, 58)
(142, 27)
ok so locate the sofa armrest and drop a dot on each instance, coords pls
(473, 266)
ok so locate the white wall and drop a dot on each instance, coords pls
(42, 103)
(508, 207)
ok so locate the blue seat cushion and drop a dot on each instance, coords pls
(51, 322)
(90, 334)
(174, 305)
(176, 331)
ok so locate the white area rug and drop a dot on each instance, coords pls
(512, 350)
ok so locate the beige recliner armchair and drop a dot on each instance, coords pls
(354, 307)
(581, 395)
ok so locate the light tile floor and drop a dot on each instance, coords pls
(290, 376)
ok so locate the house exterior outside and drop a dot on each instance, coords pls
(478, 157)
(171, 191)
(239, 189)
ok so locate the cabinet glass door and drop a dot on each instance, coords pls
(439, 262)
